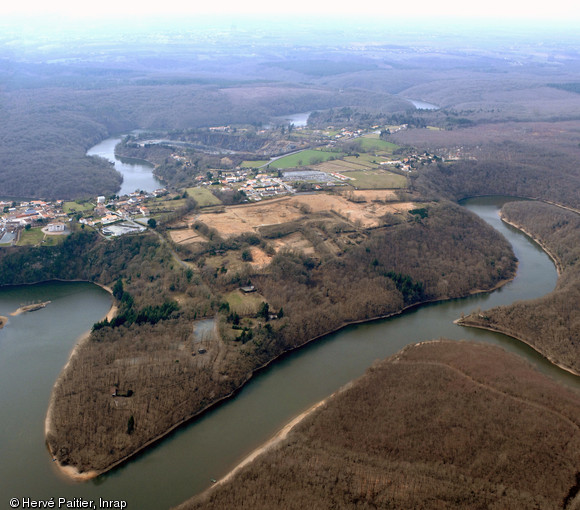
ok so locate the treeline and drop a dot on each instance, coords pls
(46, 131)
(127, 314)
(499, 177)
(448, 253)
(490, 164)
(146, 266)
(439, 425)
(551, 324)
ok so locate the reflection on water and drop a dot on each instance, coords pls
(184, 463)
(137, 174)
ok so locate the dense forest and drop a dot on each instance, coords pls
(46, 132)
(439, 425)
(551, 323)
(448, 252)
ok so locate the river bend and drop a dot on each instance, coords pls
(35, 346)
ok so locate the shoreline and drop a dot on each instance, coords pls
(559, 271)
(462, 322)
(75, 475)
(30, 308)
(274, 441)
(3, 321)
(70, 471)
(555, 260)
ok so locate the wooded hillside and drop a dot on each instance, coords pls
(150, 347)
(551, 324)
(438, 425)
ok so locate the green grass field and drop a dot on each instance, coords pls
(244, 304)
(376, 180)
(254, 164)
(302, 158)
(71, 207)
(35, 236)
(365, 160)
(203, 196)
(373, 142)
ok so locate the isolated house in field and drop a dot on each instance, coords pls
(248, 288)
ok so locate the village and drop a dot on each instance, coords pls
(114, 216)
(373, 165)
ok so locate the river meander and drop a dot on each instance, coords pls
(35, 346)
(137, 174)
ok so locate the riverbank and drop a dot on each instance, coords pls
(539, 242)
(69, 471)
(549, 310)
(76, 475)
(280, 436)
(463, 321)
(373, 445)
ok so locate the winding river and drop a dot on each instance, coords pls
(35, 346)
(137, 174)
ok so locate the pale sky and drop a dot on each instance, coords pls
(564, 10)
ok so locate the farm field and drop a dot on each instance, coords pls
(254, 164)
(376, 179)
(368, 215)
(236, 220)
(185, 236)
(302, 158)
(339, 165)
(366, 160)
(384, 195)
(373, 142)
(296, 242)
(203, 197)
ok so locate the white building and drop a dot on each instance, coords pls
(56, 227)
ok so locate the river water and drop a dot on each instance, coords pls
(35, 346)
(137, 174)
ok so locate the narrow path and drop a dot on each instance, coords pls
(497, 391)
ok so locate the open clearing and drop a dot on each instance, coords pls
(376, 179)
(368, 214)
(236, 220)
(294, 242)
(370, 195)
(306, 157)
(203, 197)
(244, 304)
(185, 236)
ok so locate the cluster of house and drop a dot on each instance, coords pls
(15, 216)
(123, 208)
(412, 162)
(255, 187)
(264, 186)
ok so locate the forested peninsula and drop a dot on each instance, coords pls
(550, 324)
(145, 371)
(422, 429)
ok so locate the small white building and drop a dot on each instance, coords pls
(100, 200)
(56, 227)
